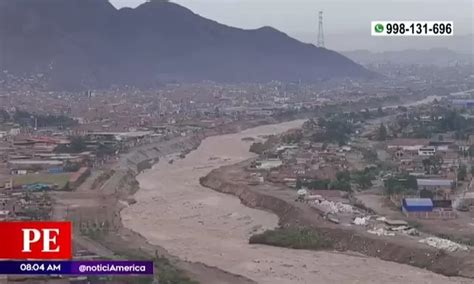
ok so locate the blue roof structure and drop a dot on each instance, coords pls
(418, 204)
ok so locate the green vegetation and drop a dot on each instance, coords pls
(382, 133)
(169, 274)
(60, 179)
(440, 120)
(292, 137)
(71, 167)
(432, 165)
(462, 172)
(369, 155)
(295, 238)
(363, 179)
(25, 118)
(166, 271)
(336, 129)
(313, 184)
(77, 145)
(106, 150)
(257, 148)
(4, 115)
(469, 152)
(342, 182)
(401, 184)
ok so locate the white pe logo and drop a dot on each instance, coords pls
(47, 236)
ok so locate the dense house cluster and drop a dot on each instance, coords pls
(297, 160)
(436, 150)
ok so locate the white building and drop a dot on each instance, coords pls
(427, 151)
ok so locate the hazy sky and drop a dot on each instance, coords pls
(344, 20)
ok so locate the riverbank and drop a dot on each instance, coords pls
(95, 209)
(102, 204)
(231, 179)
(192, 215)
(200, 225)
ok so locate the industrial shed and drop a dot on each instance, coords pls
(417, 205)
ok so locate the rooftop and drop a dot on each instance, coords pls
(408, 142)
(418, 202)
(434, 182)
(35, 162)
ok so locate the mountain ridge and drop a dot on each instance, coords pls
(86, 43)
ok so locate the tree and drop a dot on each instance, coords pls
(432, 165)
(363, 179)
(4, 115)
(257, 148)
(437, 162)
(293, 137)
(299, 184)
(382, 133)
(411, 182)
(462, 172)
(394, 188)
(380, 111)
(335, 129)
(470, 151)
(427, 165)
(71, 167)
(401, 184)
(369, 155)
(342, 182)
(77, 145)
(343, 176)
(340, 185)
(105, 150)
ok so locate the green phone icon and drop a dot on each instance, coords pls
(379, 28)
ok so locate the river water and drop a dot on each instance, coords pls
(201, 225)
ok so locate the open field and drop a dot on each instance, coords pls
(60, 179)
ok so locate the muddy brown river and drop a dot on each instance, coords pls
(198, 224)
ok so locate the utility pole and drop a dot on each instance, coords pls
(320, 42)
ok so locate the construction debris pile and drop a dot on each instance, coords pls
(345, 214)
(386, 227)
(333, 207)
(361, 221)
(443, 244)
(381, 232)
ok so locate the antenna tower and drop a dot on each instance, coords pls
(320, 30)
